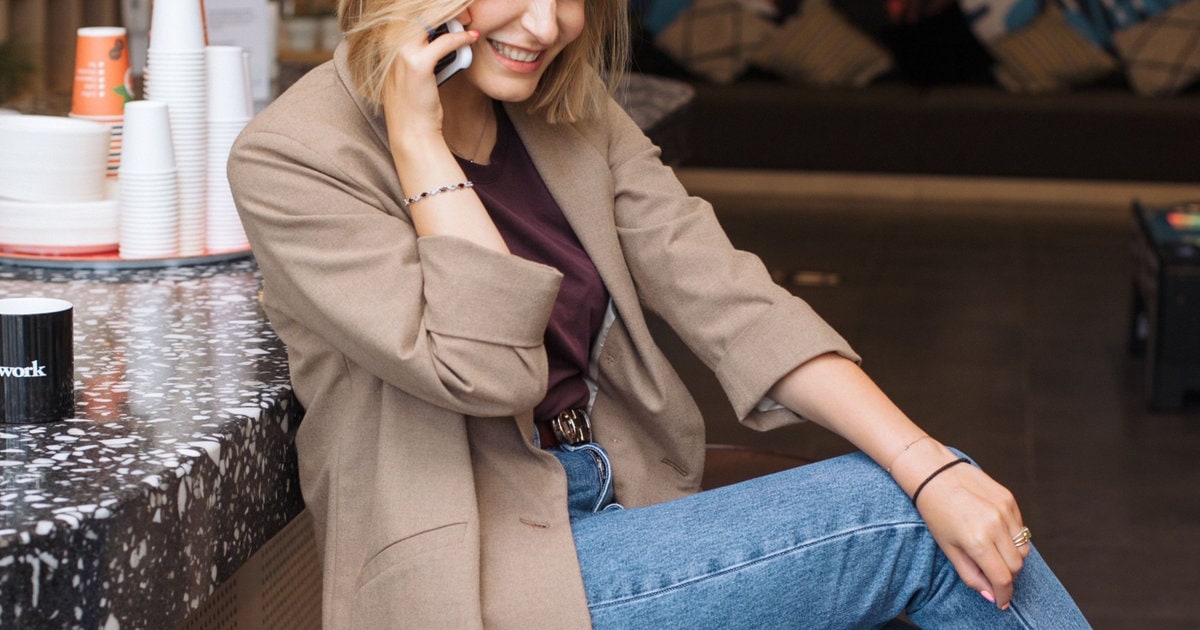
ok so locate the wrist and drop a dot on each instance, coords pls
(937, 471)
(921, 459)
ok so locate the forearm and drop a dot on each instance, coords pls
(413, 112)
(835, 393)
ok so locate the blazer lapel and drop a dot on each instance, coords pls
(579, 179)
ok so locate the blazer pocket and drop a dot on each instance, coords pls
(419, 582)
(411, 547)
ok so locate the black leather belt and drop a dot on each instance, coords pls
(572, 427)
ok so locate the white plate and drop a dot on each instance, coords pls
(58, 228)
(53, 159)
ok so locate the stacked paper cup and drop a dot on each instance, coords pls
(176, 75)
(102, 83)
(229, 110)
(149, 189)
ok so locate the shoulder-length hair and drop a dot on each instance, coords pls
(569, 90)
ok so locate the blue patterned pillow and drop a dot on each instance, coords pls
(1099, 19)
(656, 15)
(992, 19)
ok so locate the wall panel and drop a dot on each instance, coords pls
(46, 29)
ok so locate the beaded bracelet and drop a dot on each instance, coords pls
(439, 190)
(960, 460)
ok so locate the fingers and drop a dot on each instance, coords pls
(420, 54)
(410, 95)
(1001, 568)
(445, 44)
(1000, 559)
(970, 574)
(989, 569)
(412, 70)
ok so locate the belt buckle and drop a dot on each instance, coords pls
(572, 427)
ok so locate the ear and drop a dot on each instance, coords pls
(464, 18)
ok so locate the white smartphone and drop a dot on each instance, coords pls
(458, 60)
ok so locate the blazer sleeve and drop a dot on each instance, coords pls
(721, 301)
(445, 320)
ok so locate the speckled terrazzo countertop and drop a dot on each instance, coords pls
(178, 465)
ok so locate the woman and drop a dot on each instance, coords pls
(492, 439)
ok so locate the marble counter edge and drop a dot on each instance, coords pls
(166, 546)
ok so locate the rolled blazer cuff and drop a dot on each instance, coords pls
(787, 335)
(476, 293)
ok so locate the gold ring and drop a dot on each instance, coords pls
(1022, 537)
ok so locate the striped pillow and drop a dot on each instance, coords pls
(820, 46)
(1049, 55)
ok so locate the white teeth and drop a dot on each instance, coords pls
(516, 54)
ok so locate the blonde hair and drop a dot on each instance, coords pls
(569, 90)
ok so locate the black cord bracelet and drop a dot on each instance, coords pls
(960, 460)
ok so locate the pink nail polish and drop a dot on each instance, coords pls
(988, 596)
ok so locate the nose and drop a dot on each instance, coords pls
(541, 20)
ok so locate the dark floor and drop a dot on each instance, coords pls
(1003, 332)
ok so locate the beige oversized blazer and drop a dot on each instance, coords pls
(418, 360)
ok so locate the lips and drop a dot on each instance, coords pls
(519, 55)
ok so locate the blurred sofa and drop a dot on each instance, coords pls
(947, 103)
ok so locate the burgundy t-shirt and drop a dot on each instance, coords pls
(534, 228)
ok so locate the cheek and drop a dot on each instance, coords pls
(570, 23)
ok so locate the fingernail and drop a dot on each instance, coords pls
(988, 596)
(1004, 607)
(474, 33)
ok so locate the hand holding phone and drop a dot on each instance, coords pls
(449, 65)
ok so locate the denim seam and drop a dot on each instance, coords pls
(1017, 613)
(757, 560)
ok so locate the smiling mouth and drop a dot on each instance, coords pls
(515, 54)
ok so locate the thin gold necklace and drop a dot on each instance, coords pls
(478, 143)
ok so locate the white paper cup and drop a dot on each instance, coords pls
(226, 83)
(147, 146)
(177, 25)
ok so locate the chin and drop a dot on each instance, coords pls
(510, 91)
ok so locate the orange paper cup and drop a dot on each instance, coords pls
(102, 79)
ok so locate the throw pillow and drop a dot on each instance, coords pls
(1162, 55)
(820, 46)
(1049, 55)
(715, 39)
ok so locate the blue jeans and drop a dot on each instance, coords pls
(835, 544)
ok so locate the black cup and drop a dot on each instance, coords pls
(37, 360)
